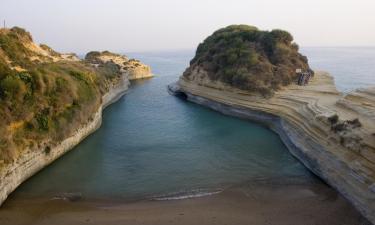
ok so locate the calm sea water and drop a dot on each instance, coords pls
(352, 67)
(153, 144)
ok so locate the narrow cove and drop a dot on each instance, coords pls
(154, 146)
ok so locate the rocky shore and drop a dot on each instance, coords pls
(316, 124)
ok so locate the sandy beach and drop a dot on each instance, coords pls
(312, 203)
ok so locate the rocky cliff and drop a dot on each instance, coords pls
(133, 68)
(332, 134)
(33, 160)
(50, 102)
(340, 152)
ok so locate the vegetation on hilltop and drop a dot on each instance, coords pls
(50, 50)
(93, 57)
(249, 59)
(12, 47)
(43, 101)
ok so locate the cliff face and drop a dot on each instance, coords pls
(49, 103)
(332, 134)
(341, 152)
(33, 160)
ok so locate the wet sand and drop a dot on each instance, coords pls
(252, 203)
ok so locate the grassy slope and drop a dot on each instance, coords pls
(45, 99)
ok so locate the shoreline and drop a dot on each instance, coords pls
(314, 155)
(261, 203)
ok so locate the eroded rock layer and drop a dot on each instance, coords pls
(332, 134)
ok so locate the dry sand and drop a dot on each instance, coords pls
(253, 203)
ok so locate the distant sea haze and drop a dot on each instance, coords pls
(352, 67)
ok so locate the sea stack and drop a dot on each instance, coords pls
(260, 75)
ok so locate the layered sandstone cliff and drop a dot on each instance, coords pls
(332, 134)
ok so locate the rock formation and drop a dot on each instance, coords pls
(248, 58)
(330, 133)
(132, 67)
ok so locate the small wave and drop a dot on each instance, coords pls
(68, 197)
(187, 194)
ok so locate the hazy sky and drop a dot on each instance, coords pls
(147, 25)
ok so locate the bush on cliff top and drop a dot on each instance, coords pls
(250, 59)
(11, 44)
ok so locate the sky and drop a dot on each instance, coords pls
(161, 25)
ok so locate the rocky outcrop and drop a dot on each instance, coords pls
(47, 52)
(133, 68)
(34, 160)
(331, 134)
(249, 59)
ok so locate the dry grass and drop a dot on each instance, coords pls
(47, 100)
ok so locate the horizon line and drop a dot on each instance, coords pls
(194, 49)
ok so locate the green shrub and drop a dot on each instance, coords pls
(43, 120)
(282, 36)
(11, 86)
(20, 33)
(109, 70)
(4, 69)
(15, 50)
(61, 84)
(25, 77)
(244, 57)
(78, 75)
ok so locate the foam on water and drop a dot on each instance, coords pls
(196, 193)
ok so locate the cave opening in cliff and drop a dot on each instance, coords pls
(181, 95)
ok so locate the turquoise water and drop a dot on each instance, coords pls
(153, 144)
